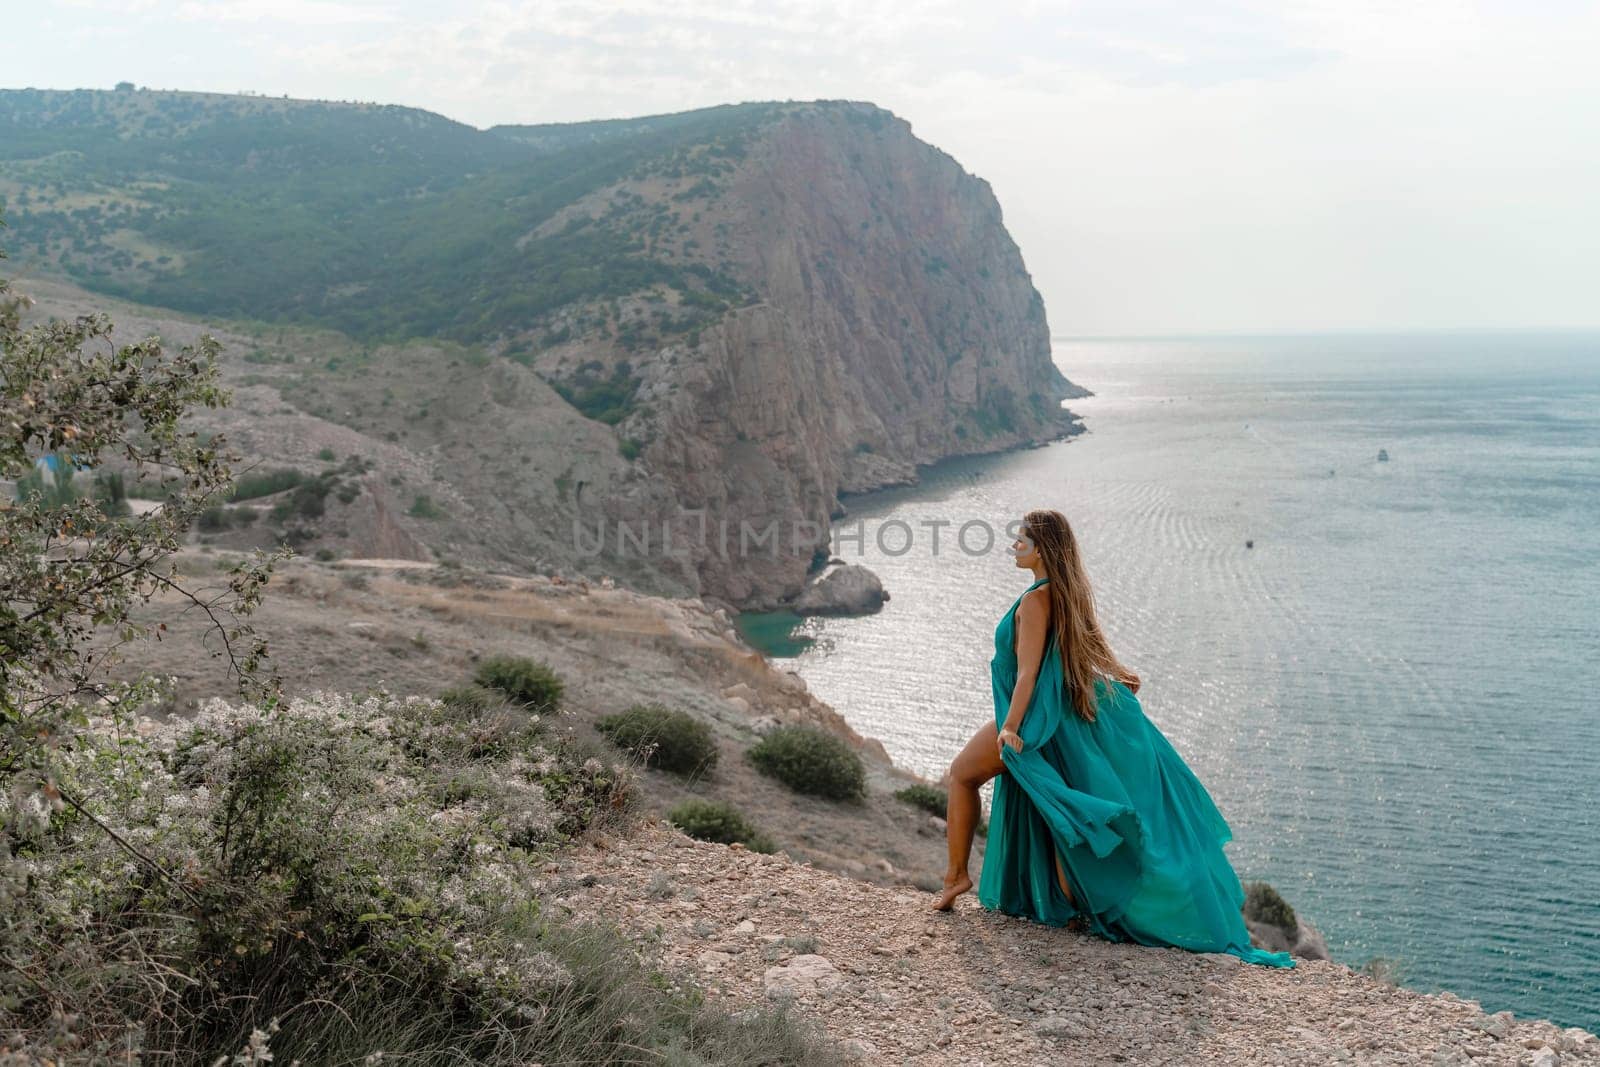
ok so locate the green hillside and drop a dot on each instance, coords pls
(381, 221)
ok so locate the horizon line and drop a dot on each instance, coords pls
(1322, 331)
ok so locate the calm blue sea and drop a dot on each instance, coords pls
(1394, 696)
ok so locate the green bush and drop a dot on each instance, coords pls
(523, 681)
(663, 738)
(472, 699)
(251, 486)
(112, 493)
(308, 498)
(711, 820)
(608, 399)
(934, 801)
(930, 799)
(811, 760)
(423, 507)
(214, 519)
(1263, 904)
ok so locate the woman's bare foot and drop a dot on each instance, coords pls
(952, 889)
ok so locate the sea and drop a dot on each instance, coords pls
(1386, 671)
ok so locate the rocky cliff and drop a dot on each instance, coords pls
(712, 323)
(896, 326)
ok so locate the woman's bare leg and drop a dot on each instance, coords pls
(1079, 921)
(1061, 876)
(977, 763)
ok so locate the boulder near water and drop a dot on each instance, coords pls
(848, 589)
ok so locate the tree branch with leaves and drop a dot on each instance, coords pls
(73, 572)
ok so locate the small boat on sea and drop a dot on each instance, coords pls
(1383, 455)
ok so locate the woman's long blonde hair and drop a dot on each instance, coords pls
(1085, 655)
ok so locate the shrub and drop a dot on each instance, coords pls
(214, 518)
(523, 681)
(307, 498)
(663, 738)
(934, 801)
(1389, 970)
(251, 486)
(423, 507)
(811, 760)
(711, 820)
(1263, 904)
(930, 799)
(350, 873)
(111, 490)
(471, 699)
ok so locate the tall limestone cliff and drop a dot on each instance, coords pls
(712, 321)
(894, 325)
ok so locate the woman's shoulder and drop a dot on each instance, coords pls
(1035, 602)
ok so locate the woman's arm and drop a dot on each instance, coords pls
(1032, 622)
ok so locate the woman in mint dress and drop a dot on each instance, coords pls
(1096, 821)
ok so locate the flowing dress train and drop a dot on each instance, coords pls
(1138, 836)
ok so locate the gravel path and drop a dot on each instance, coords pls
(898, 984)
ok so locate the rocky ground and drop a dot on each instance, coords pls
(898, 984)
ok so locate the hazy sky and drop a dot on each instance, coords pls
(1166, 165)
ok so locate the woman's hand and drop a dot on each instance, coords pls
(1006, 737)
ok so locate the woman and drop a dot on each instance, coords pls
(1096, 822)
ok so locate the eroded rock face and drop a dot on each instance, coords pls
(893, 325)
(849, 589)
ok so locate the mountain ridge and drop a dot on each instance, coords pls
(765, 305)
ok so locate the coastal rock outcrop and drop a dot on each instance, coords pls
(891, 323)
(848, 589)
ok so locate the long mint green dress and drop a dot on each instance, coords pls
(1138, 835)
